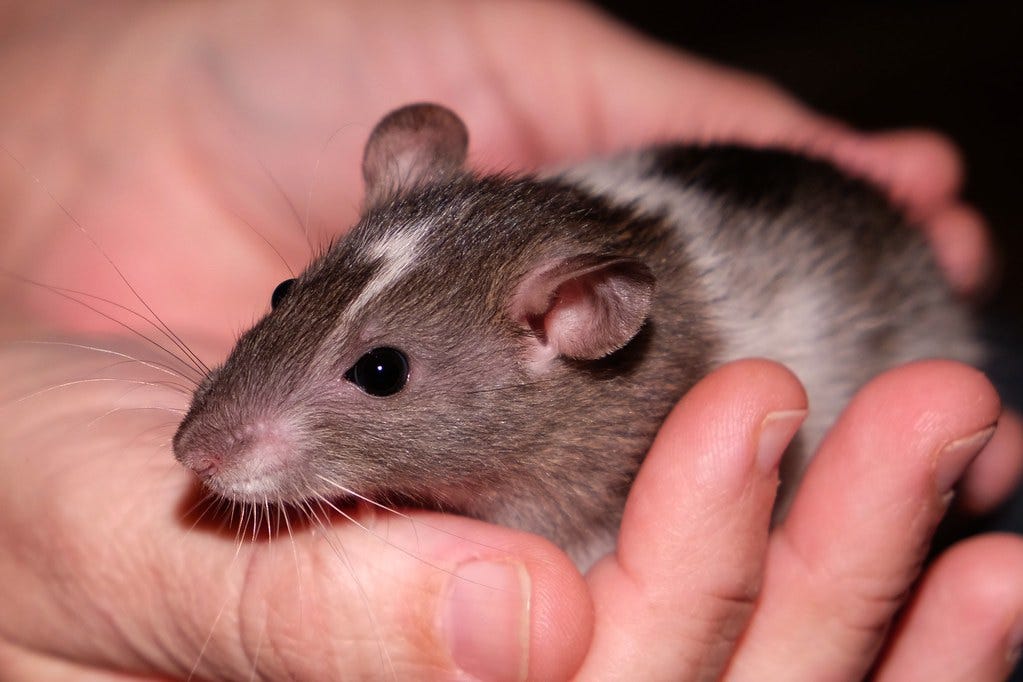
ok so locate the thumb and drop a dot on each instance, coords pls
(388, 595)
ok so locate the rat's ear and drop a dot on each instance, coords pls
(410, 147)
(584, 307)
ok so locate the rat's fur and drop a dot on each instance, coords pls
(551, 323)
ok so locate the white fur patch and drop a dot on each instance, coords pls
(397, 254)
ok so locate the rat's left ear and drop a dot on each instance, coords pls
(584, 307)
(411, 147)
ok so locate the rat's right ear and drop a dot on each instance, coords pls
(411, 147)
(583, 307)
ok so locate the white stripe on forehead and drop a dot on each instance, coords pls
(396, 254)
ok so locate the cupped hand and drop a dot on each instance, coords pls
(103, 571)
(183, 139)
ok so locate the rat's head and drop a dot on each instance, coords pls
(429, 355)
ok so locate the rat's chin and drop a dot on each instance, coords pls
(253, 490)
(270, 489)
(258, 489)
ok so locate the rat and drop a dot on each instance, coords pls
(506, 347)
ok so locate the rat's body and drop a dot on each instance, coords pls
(550, 324)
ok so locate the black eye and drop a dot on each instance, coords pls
(380, 372)
(280, 292)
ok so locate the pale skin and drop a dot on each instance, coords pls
(163, 130)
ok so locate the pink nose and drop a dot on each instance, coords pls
(202, 463)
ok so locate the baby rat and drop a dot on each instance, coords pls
(507, 347)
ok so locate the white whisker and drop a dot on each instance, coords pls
(160, 367)
(339, 551)
(79, 382)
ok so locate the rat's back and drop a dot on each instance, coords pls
(796, 262)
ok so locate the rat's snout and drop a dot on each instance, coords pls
(249, 462)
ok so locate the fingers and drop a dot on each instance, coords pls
(921, 168)
(674, 598)
(879, 484)
(966, 620)
(963, 248)
(923, 173)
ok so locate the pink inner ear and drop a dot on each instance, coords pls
(585, 307)
(574, 315)
(567, 310)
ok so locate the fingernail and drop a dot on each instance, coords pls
(776, 432)
(957, 455)
(486, 620)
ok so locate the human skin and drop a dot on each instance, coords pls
(161, 128)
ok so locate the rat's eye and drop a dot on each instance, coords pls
(280, 292)
(380, 372)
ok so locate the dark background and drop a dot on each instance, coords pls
(953, 66)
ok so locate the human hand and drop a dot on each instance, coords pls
(103, 575)
(156, 156)
(150, 203)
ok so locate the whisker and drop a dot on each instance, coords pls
(198, 366)
(391, 510)
(291, 205)
(312, 181)
(165, 443)
(78, 382)
(118, 410)
(339, 551)
(160, 367)
(210, 502)
(265, 241)
(67, 294)
(321, 500)
(175, 386)
(384, 507)
(216, 620)
(255, 520)
(349, 491)
(106, 257)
